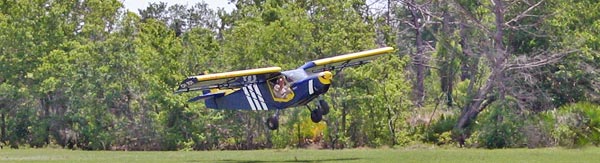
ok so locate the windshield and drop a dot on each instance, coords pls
(295, 75)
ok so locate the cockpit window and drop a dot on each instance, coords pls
(295, 75)
(281, 89)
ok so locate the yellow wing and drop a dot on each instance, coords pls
(234, 79)
(347, 60)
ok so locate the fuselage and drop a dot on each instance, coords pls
(262, 96)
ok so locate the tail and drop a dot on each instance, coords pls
(211, 102)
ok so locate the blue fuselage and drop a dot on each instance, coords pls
(261, 96)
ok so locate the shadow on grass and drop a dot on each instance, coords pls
(260, 161)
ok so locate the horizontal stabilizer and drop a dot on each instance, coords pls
(207, 96)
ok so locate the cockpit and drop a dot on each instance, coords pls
(281, 87)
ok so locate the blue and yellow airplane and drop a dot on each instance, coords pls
(273, 89)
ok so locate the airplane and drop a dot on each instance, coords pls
(271, 88)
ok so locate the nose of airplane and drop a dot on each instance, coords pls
(325, 77)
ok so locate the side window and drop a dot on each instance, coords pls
(280, 89)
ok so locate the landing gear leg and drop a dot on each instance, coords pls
(273, 122)
(323, 106)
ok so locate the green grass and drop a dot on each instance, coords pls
(306, 155)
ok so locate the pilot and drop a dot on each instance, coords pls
(280, 89)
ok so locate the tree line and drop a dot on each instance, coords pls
(495, 74)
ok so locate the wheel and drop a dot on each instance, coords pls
(324, 107)
(273, 123)
(316, 115)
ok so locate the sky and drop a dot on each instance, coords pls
(134, 5)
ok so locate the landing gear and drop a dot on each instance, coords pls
(273, 122)
(323, 106)
(316, 115)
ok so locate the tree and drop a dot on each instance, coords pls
(499, 58)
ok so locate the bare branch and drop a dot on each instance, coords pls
(523, 14)
(405, 30)
(410, 24)
(527, 63)
(470, 16)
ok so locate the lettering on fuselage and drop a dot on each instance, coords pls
(250, 79)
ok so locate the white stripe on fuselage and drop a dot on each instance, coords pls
(254, 97)
(260, 97)
(256, 101)
(250, 102)
(311, 90)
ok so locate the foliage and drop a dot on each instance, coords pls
(537, 130)
(438, 131)
(91, 75)
(577, 125)
(499, 127)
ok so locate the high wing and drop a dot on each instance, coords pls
(228, 80)
(343, 61)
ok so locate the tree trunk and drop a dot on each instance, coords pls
(344, 111)
(337, 125)
(482, 99)
(419, 88)
(469, 66)
(391, 126)
(472, 109)
(500, 54)
(447, 70)
(390, 116)
(419, 60)
(299, 135)
(46, 114)
(2, 127)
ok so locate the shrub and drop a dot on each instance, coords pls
(577, 124)
(438, 131)
(537, 130)
(499, 127)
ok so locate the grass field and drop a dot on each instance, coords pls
(305, 155)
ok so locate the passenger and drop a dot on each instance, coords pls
(281, 90)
